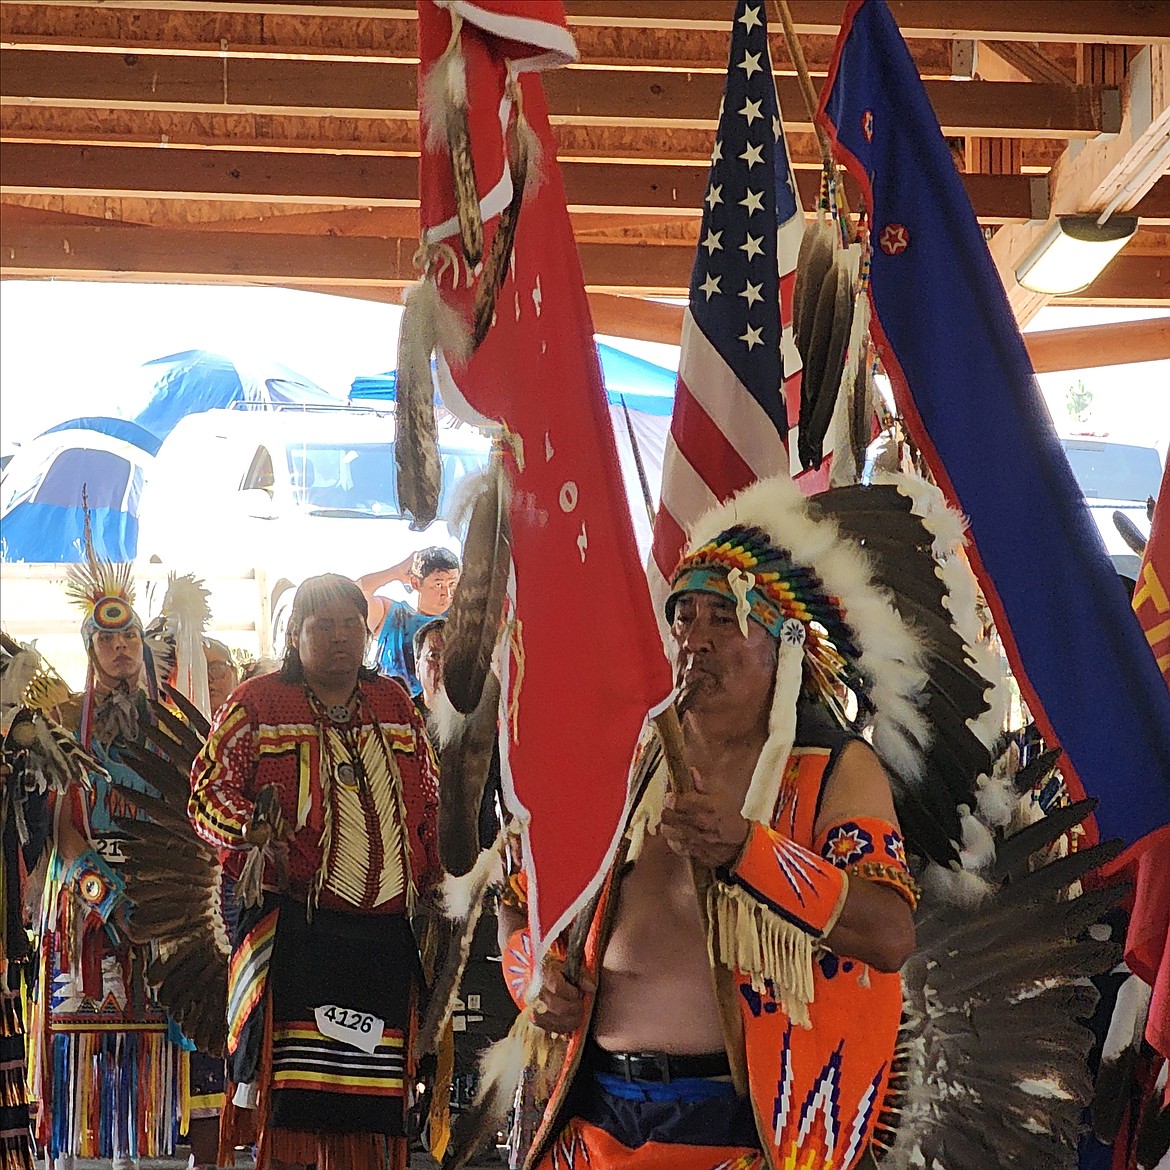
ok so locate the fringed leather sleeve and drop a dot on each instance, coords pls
(769, 912)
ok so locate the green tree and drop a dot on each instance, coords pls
(1078, 401)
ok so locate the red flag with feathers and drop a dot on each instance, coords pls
(585, 665)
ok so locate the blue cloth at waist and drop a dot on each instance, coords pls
(683, 1089)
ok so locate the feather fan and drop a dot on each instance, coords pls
(175, 884)
(990, 1068)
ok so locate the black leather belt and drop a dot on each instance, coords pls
(663, 1067)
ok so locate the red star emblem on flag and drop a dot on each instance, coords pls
(867, 125)
(894, 239)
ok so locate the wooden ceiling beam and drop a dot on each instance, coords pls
(1131, 22)
(99, 126)
(1129, 280)
(130, 252)
(74, 27)
(578, 96)
(1138, 22)
(1092, 346)
(138, 253)
(360, 180)
(1112, 174)
(384, 180)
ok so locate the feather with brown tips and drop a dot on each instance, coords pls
(475, 618)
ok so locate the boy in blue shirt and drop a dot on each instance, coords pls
(432, 575)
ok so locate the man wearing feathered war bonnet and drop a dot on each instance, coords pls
(811, 906)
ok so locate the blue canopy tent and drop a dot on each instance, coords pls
(198, 380)
(638, 390)
(639, 384)
(42, 518)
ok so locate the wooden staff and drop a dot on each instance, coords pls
(669, 730)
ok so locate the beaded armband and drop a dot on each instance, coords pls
(871, 849)
(892, 876)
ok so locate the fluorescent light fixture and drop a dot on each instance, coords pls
(1074, 252)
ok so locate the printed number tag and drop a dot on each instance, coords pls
(359, 1029)
(109, 849)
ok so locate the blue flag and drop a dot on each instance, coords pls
(964, 383)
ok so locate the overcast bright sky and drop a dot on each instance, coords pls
(72, 348)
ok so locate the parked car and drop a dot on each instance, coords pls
(291, 492)
(1115, 477)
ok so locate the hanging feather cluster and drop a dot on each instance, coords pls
(463, 905)
(444, 113)
(174, 880)
(990, 1067)
(524, 163)
(475, 619)
(30, 690)
(823, 360)
(428, 324)
(464, 765)
(830, 323)
(187, 613)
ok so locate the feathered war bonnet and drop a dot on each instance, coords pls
(861, 589)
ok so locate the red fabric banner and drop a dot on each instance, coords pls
(1147, 944)
(586, 664)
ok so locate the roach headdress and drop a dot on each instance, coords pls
(103, 591)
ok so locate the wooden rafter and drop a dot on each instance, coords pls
(669, 145)
(1111, 174)
(1135, 22)
(291, 133)
(106, 251)
(577, 96)
(330, 38)
(386, 180)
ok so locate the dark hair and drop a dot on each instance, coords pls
(434, 560)
(423, 632)
(312, 594)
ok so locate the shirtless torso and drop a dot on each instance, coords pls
(655, 992)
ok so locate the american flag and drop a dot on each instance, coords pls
(739, 373)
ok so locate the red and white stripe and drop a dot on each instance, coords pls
(721, 440)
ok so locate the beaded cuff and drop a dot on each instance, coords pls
(519, 966)
(896, 879)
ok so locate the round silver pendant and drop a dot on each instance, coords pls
(338, 713)
(346, 775)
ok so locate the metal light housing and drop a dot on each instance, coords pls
(1074, 252)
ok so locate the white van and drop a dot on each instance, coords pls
(292, 492)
